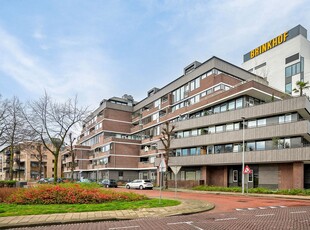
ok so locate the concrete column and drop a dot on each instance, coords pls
(225, 176)
(298, 175)
(204, 174)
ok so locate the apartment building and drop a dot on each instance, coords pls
(283, 60)
(26, 162)
(211, 105)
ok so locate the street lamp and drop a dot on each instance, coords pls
(243, 147)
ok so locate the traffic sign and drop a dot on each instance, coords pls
(175, 169)
(162, 166)
(247, 170)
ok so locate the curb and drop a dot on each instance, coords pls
(186, 207)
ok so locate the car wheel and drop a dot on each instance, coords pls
(141, 187)
(127, 186)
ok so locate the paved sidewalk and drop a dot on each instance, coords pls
(186, 207)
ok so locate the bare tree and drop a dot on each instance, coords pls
(3, 115)
(15, 130)
(36, 145)
(72, 154)
(167, 135)
(52, 121)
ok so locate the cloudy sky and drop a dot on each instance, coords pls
(99, 49)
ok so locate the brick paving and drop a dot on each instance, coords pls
(191, 202)
(186, 207)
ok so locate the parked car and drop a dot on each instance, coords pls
(84, 180)
(43, 181)
(140, 184)
(51, 180)
(109, 183)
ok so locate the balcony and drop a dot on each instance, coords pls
(145, 165)
(252, 157)
(149, 152)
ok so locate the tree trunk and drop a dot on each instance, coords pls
(11, 162)
(56, 155)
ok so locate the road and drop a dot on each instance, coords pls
(231, 212)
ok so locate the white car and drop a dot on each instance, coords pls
(140, 184)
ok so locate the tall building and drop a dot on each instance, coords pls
(26, 162)
(283, 60)
(215, 107)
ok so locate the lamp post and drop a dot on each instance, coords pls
(243, 147)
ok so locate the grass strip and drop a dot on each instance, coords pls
(20, 210)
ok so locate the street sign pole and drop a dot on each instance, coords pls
(175, 170)
(162, 169)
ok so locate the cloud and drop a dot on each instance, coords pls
(83, 72)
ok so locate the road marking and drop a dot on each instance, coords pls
(282, 206)
(272, 207)
(137, 226)
(240, 209)
(252, 209)
(272, 214)
(298, 212)
(233, 218)
(187, 222)
(262, 207)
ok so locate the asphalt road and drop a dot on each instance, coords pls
(231, 212)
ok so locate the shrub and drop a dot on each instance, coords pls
(7, 183)
(68, 194)
(6, 192)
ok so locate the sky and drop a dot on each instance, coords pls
(97, 49)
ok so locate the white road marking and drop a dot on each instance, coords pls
(272, 207)
(262, 207)
(298, 212)
(282, 206)
(252, 208)
(137, 226)
(266, 215)
(240, 209)
(233, 218)
(188, 222)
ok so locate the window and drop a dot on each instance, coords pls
(252, 123)
(216, 109)
(216, 88)
(239, 103)
(229, 127)
(231, 105)
(186, 134)
(219, 128)
(237, 126)
(288, 88)
(261, 122)
(203, 94)
(250, 146)
(184, 152)
(210, 149)
(235, 175)
(260, 145)
(194, 132)
(178, 152)
(193, 151)
(211, 129)
(237, 148)
(228, 148)
(218, 148)
(223, 107)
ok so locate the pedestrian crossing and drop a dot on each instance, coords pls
(259, 208)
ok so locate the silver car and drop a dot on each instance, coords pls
(140, 184)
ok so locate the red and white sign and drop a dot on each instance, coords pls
(247, 170)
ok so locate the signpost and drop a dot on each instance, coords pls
(162, 169)
(248, 171)
(175, 169)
